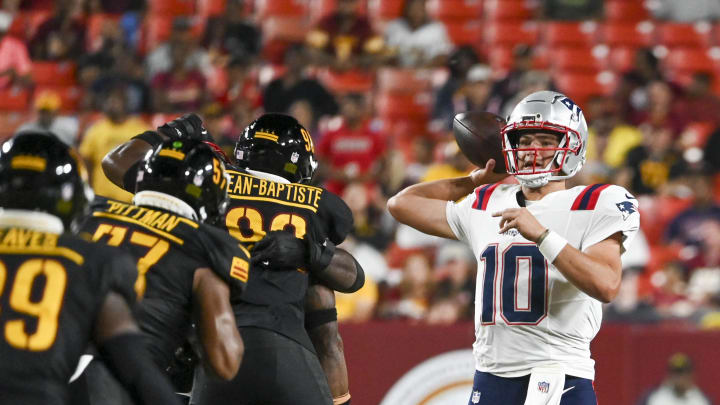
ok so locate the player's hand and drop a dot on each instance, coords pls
(486, 174)
(189, 126)
(522, 220)
(279, 250)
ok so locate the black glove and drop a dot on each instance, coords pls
(189, 126)
(282, 250)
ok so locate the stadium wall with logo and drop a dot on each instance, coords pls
(400, 363)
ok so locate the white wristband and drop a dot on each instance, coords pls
(551, 246)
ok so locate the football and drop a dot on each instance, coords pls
(478, 136)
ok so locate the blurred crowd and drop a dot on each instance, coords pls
(378, 83)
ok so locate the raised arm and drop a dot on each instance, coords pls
(422, 206)
(214, 317)
(123, 347)
(118, 162)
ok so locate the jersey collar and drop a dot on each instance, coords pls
(268, 176)
(33, 220)
(166, 202)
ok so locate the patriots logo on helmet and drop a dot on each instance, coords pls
(626, 208)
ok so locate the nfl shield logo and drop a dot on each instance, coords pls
(475, 397)
(294, 157)
(543, 387)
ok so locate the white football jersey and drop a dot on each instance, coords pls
(526, 313)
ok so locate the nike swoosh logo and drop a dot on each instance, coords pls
(629, 197)
(564, 391)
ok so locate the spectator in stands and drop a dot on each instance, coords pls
(181, 41)
(114, 128)
(353, 149)
(683, 229)
(473, 94)
(410, 298)
(679, 387)
(371, 224)
(180, 89)
(687, 11)
(127, 73)
(115, 6)
(711, 152)
(650, 165)
(453, 164)
(454, 292)
(574, 10)
(609, 139)
(294, 85)
(360, 306)
(663, 109)
(344, 39)
(631, 93)
(505, 89)
(15, 63)
(699, 103)
(458, 64)
(113, 65)
(241, 83)
(530, 82)
(62, 36)
(422, 148)
(629, 306)
(415, 40)
(47, 118)
(232, 33)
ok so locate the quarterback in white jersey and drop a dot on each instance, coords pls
(548, 257)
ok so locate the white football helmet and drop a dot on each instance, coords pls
(546, 112)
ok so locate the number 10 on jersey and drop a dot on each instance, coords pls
(519, 263)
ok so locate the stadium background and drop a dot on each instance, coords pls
(378, 93)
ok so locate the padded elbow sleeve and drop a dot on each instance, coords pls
(130, 362)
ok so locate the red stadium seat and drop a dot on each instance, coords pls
(94, 28)
(511, 33)
(211, 8)
(696, 134)
(172, 7)
(628, 33)
(622, 59)
(291, 29)
(570, 33)
(578, 59)
(69, 95)
(500, 58)
(687, 60)
(407, 105)
(688, 35)
(279, 8)
(399, 80)
(384, 9)
(25, 23)
(353, 81)
(14, 99)
(449, 10)
(580, 86)
(155, 30)
(508, 10)
(626, 10)
(464, 32)
(11, 121)
(318, 9)
(56, 73)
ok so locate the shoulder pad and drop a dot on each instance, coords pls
(225, 255)
(588, 197)
(336, 217)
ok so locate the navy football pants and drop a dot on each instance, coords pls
(489, 389)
